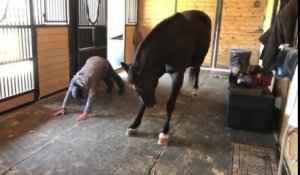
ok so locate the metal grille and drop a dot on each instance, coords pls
(16, 13)
(16, 56)
(51, 12)
(92, 21)
(16, 78)
(15, 45)
(131, 11)
(92, 6)
(55, 11)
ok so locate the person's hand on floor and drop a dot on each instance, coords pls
(61, 112)
(82, 117)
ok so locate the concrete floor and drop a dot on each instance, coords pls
(32, 141)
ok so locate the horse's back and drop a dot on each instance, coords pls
(180, 41)
(201, 26)
(197, 16)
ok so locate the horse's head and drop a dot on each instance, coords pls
(143, 82)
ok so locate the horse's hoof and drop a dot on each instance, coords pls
(195, 94)
(163, 139)
(130, 132)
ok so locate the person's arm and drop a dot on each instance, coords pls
(66, 101)
(89, 103)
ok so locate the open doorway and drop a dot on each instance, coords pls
(115, 32)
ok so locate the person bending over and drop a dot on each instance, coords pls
(84, 84)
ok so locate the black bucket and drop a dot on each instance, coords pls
(241, 57)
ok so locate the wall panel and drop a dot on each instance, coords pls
(152, 12)
(241, 26)
(53, 59)
(129, 47)
(16, 101)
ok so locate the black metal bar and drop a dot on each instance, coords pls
(15, 26)
(91, 48)
(73, 35)
(90, 26)
(34, 53)
(216, 33)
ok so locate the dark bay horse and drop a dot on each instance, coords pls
(175, 44)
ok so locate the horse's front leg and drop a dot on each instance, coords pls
(177, 80)
(132, 128)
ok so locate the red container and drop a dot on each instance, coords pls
(254, 80)
(266, 80)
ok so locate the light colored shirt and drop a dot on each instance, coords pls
(88, 77)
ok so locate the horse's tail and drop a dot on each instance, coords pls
(193, 76)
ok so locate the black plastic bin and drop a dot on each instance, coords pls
(241, 57)
(250, 109)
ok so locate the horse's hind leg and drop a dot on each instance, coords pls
(194, 71)
(177, 80)
(132, 128)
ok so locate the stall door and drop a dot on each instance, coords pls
(16, 49)
(91, 31)
(115, 32)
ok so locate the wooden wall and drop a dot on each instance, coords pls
(129, 47)
(240, 24)
(151, 12)
(53, 59)
(17, 101)
(239, 29)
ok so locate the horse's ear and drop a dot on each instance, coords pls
(125, 66)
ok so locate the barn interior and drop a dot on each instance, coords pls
(227, 129)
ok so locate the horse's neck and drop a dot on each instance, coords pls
(154, 68)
